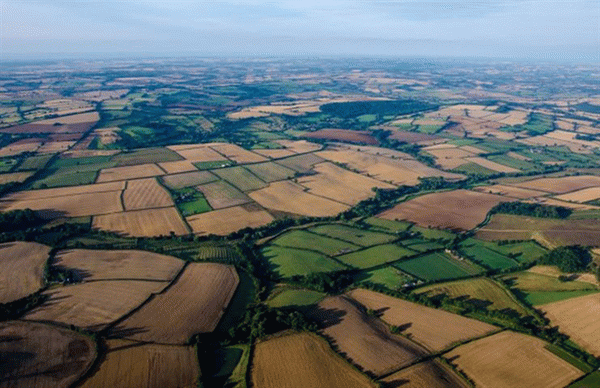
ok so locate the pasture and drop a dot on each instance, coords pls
(145, 156)
(288, 262)
(480, 253)
(438, 266)
(294, 298)
(377, 255)
(302, 239)
(22, 267)
(389, 277)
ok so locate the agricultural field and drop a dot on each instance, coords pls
(188, 179)
(344, 135)
(22, 266)
(485, 255)
(241, 178)
(288, 262)
(145, 194)
(271, 172)
(389, 277)
(296, 298)
(353, 235)
(561, 185)
(141, 223)
(229, 220)
(377, 255)
(510, 359)
(302, 360)
(438, 266)
(129, 172)
(427, 374)
(301, 239)
(14, 177)
(145, 156)
(301, 163)
(221, 195)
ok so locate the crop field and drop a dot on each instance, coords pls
(14, 177)
(34, 162)
(438, 266)
(146, 156)
(591, 380)
(199, 153)
(341, 185)
(241, 178)
(274, 153)
(277, 197)
(422, 324)
(356, 236)
(388, 226)
(193, 304)
(129, 172)
(427, 374)
(142, 223)
(482, 254)
(177, 166)
(302, 360)
(343, 135)
(299, 146)
(119, 264)
(211, 252)
(38, 355)
(145, 194)
(94, 305)
(302, 239)
(512, 360)
(290, 297)
(17, 148)
(22, 267)
(579, 318)
(73, 171)
(221, 194)
(228, 220)
(491, 165)
(422, 246)
(583, 195)
(510, 191)
(188, 179)
(288, 262)
(238, 154)
(301, 163)
(377, 255)
(561, 185)
(456, 210)
(271, 172)
(389, 277)
(481, 292)
(364, 340)
(135, 365)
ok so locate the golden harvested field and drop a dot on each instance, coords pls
(299, 146)
(546, 141)
(201, 153)
(561, 185)
(42, 356)
(579, 318)
(221, 194)
(228, 220)
(145, 194)
(556, 202)
(345, 135)
(129, 172)
(193, 304)
(509, 191)
(238, 154)
(188, 179)
(583, 195)
(549, 270)
(491, 165)
(177, 166)
(289, 197)
(134, 365)
(119, 264)
(274, 153)
(14, 177)
(55, 146)
(341, 185)
(428, 374)
(94, 305)
(72, 119)
(302, 360)
(457, 209)
(365, 341)
(448, 153)
(143, 223)
(512, 360)
(21, 269)
(19, 147)
(423, 323)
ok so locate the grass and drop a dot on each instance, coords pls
(230, 366)
(377, 255)
(529, 281)
(243, 297)
(514, 163)
(387, 225)
(353, 235)
(302, 239)
(568, 357)
(368, 118)
(523, 252)
(473, 169)
(146, 155)
(73, 172)
(438, 266)
(35, 162)
(482, 254)
(389, 277)
(190, 201)
(295, 298)
(433, 234)
(536, 298)
(6, 165)
(214, 164)
(429, 129)
(288, 262)
(590, 381)
(422, 245)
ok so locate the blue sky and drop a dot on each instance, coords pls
(561, 30)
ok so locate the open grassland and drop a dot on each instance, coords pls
(353, 235)
(481, 292)
(389, 277)
(278, 196)
(119, 264)
(301, 163)
(457, 209)
(143, 223)
(561, 185)
(241, 178)
(193, 304)
(427, 374)
(188, 179)
(579, 318)
(481, 253)
(297, 298)
(21, 269)
(421, 323)
(238, 154)
(177, 166)
(510, 191)
(44, 356)
(145, 156)
(365, 341)
(377, 255)
(271, 172)
(340, 184)
(228, 220)
(94, 305)
(438, 266)
(302, 360)
(145, 194)
(512, 360)
(135, 365)
(129, 172)
(289, 262)
(221, 194)
(302, 239)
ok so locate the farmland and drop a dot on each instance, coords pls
(150, 222)
(228, 220)
(353, 235)
(428, 374)
(289, 262)
(373, 256)
(301, 239)
(438, 266)
(145, 194)
(22, 267)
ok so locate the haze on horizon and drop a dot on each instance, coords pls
(549, 30)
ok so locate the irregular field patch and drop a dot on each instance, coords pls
(302, 239)
(240, 177)
(143, 223)
(21, 269)
(289, 262)
(356, 236)
(438, 266)
(561, 185)
(427, 374)
(271, 172)
(377, 255)
(228, 220)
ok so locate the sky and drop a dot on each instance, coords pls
(549, 30)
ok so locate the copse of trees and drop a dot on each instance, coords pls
(19, 220)
(568, 259)
(532, 209)
(358, 108)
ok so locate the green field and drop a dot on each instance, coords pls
(480, 253)
(429, 129)
(514, 163)
(243, 297)
(389, 277)
(536, 298)
(590, 381)
(421, 245)
(73, 172)
(271, 172)
(190, 201)
(523, 252)
(377, 255)
(240, 178)
(438, 266)
(7, 164)
(289, 261)
(294, 298)
(302, 239)
(434, 234)
(35, 162)
(388, 225)
(568, 357)
(215, 164)
(354, 235)
(473, 169)
(368, 118)
(228, 367)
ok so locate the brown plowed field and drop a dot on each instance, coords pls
(343, 135)
(145, 194)
(129, 172)
(421, 323)
(365, 341)
(134, 365)
(561, 185)
(456, 210)
(21, 269)
(512, 360)
(302, 360)
(228, 220)
(123, 264)
(42, 356)
(193, 304)
(428, 374)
